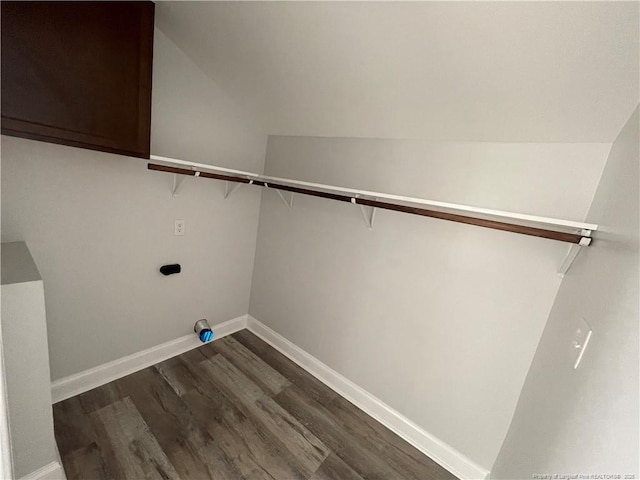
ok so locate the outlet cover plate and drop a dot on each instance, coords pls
(580, 340)
(178, 227)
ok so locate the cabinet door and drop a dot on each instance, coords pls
(78, 73)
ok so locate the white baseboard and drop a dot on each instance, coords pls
(51, 471)
(78, 383)
(437, 450)
(62, 474)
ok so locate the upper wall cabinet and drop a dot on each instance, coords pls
(78, 73)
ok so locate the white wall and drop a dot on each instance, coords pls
(483, 71)
(100, 225)
(438, 320)
(586, 420)
(24, 337)
(194, 119)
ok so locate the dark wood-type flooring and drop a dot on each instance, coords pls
(232, 409)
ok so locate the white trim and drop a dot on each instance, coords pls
(6, 452)
(437, 450)
(387, 196)
(63, 475)
(51, 471)
(78, 383)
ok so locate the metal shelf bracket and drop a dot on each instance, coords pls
(230, 187)
(543, 227)
(573, 252)
(368, 217)
(178, 180)
(287, 202)
(177, 183)
(368, 213)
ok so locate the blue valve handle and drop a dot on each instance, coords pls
(206, 335)
(203, 330)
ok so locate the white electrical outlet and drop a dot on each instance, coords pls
(178, 228)
(579, 343)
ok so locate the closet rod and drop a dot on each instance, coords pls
(351, 192)
(574, 238)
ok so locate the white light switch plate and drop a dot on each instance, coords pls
(580, 340)
(179, 227)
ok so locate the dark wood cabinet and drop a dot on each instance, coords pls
(78, 73)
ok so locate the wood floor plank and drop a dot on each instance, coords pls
(234, 409)
(86, 463)
(244, 436)
(208, 350)
(255, 403)
(259, 372)
(73, 428)
(178, 376)
(292, 372)
(99, 397)
(198, 354)
(216, 462)
(334, 468)
(277, 460)
(221, 423)
(136, 449)
(191, 450)
(154, 400)
(109, 450)
(319, 420)
(213, 409)
(402, 456)
(222, 457)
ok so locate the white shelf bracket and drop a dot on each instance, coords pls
(289, 202)
(230, 187)
(573, 252)
(177, 183)
(368, 217)
(178, 180)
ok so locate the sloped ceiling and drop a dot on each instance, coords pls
(476, 71)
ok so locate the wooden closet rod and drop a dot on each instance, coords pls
(575, 238)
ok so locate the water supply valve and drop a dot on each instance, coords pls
(203, 330)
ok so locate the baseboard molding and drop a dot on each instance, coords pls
(78, 383)
(439, 451)
(51, 471)
(63, 474)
